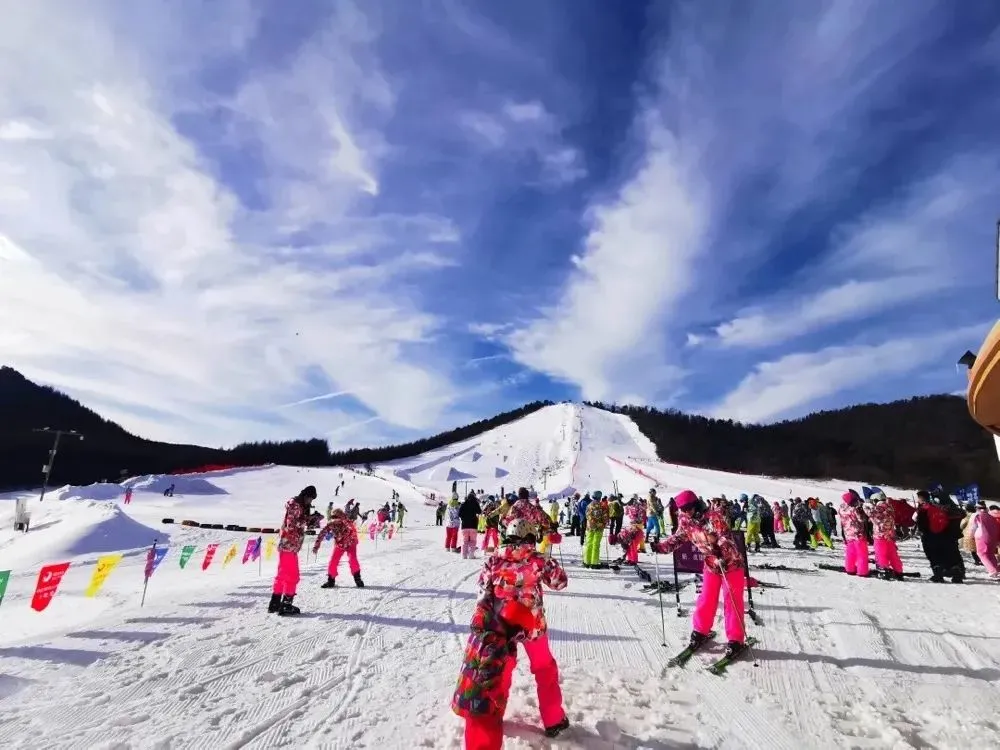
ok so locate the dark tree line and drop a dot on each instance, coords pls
(108, 450)
(911, 443)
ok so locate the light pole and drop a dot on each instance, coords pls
(47, 469)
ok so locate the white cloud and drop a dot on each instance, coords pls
(132, 273)
(527, 127)
(793, 382)
(603, 334)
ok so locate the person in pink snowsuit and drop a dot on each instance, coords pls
(883, 518)
(852, 521)
(293, 530)
(345, 539)
(632, 536)
(986, 533)
(708, 530)
(510, 611)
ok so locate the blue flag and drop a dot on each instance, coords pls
(962, 496)
(972, 493)
(257, 549)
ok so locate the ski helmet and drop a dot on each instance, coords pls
(521, 531)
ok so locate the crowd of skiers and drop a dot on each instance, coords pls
(519, 532)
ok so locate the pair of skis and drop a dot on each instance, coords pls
(719, 666)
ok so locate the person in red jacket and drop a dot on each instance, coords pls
(345, 539)
(293, 530)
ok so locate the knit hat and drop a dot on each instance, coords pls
(685, 498)
(850, 497)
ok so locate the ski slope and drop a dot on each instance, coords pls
(843, 663)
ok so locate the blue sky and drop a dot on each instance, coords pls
(370, 221)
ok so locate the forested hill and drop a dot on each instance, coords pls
(108, 451)
(911, 443)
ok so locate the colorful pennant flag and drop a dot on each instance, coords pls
(153, 559)
(269, 549)
(230, 554)
(49, 578)
(257, 549)
(186, 553)
(4, 579)
(249, 551)
(105, 565)
(209, 554)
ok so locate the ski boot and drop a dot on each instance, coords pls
(287, 608)
(331, 583)
(697, 639)
(734, 649)
(556, 729)
(275, 604)
(357, 580)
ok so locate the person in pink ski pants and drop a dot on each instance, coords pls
(852, 521)
(883, 519)
(723, 575)
(293, 530)
(345, 540)
(986, 532)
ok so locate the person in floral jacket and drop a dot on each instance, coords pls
(509, 611)
(883, 518)
(852, 520)
(345, 539)
(293, 530)
(708, 531)
(632, 535)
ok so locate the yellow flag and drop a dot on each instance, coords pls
(104, 567)
(230, 554)
(269, 548)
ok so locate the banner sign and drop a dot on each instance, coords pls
(105, 565)
(49, 578)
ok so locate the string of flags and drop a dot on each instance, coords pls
(256, 550)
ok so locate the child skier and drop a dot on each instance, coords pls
(883, 519)
(345, 539)
(631, 537)
(708, 530)
(451, 524)
(509, 610)
(852, 519)
(293, 529)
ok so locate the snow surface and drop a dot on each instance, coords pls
(844, 663)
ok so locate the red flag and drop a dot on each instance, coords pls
(209, 554)
(48, 581)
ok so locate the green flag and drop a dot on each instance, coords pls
(186, 553)
(4, 578)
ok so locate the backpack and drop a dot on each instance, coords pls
(937, 519)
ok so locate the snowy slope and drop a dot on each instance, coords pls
(844, 663)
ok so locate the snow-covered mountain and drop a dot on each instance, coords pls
(843, 662)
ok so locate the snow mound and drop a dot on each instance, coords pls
(183, 484)
(74, 527)
(101, 491)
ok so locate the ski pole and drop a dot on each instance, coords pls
(659, 594)
(732, 601)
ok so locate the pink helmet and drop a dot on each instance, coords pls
(684, 499)
(850, 497)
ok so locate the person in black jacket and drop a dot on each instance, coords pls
(469, 512)
(940, 523)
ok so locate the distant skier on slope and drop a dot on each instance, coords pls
(345, 539)
(293, 530)
(509, 610)
(723, 573)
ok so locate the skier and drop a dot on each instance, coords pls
(616, 515)
(986, 532)
(439, 514)
(753, 524)
(631, 537)
(853, 519)
(468, 514)
(939, 522)
(574, 515)
(802, 521)
(766, 523)
(453, 521)
(400, 514)
(582, 509)
(345, 539)
(293, 529)
(509, 611)
(597, 519)
(708, 530)
(491, 512)
(883, 519)
(654, 516)
(527, 510)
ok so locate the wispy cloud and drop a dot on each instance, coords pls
(780, 388)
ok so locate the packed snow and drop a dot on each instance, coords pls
(843, 662)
